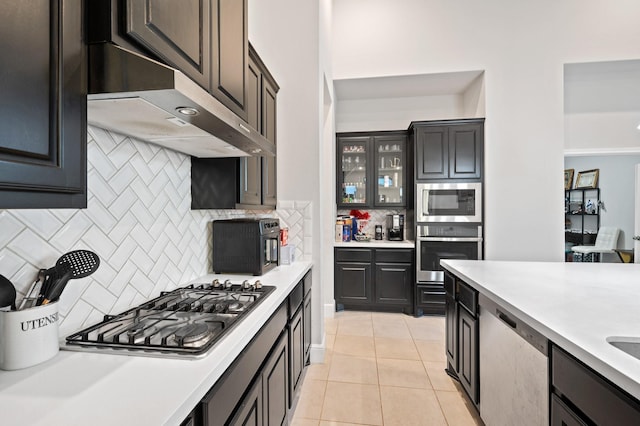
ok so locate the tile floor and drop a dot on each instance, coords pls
(382, 369)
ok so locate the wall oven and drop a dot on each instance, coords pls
(435, 242)
(449, 202)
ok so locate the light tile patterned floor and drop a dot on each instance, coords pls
(382, 369)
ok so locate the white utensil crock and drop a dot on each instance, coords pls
(28, 337)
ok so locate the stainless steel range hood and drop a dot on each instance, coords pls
(139, 97)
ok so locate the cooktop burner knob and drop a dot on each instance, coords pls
(227, 284)
(258, 285)
(246, 284)
(216, 283)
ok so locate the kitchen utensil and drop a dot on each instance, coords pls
(7, 293)
(72, 265)
(39, 280)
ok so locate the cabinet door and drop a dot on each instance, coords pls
(393, 283)
(468, 353)
(451, 332)
(296, 355)
(269, 183)
(561, 415)
(43, 115)
(432, 152)
(306, 319)
(353, 162)
(178, 31)
(390, 159)
(250, 181)
(465, 151)
(353, 283)
(275, 382)
(250, 411)
(229, 53)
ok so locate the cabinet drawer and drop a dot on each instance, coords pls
(561, 415)
(353, 255)
(394, 256)
(295, 299)
(601, 401)
(428, 295)
(468, 298)
(449, 284)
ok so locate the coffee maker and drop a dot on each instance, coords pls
(395, 227)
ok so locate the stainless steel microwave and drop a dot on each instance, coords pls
(449, 202)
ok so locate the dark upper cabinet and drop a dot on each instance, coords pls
(205, 39)
(258, 174)
(43, 92)
(178, 31)
(450, 149)
(229, 53)
(372, 170)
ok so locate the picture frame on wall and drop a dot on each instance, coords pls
(587, 179)
(568, 178)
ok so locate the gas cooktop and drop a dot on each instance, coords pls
(185, 322)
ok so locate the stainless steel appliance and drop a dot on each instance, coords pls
(435, 242)
(395, 227)
(246, 245)
(185, 322)
(449, 202)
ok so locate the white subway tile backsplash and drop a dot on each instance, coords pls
(140, 223)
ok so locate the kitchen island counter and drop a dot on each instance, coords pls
(574, 305)
(79, 388)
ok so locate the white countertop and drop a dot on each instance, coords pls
(80, 388)
(575, 305)
(376, 244)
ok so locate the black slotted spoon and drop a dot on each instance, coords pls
(72, 265)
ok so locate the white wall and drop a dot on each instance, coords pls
(594, 131)
(522, 47)
(287, 36)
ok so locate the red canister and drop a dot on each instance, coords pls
(284, 236)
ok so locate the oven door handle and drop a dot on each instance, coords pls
(452, 239)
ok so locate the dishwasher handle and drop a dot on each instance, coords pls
(505, 318)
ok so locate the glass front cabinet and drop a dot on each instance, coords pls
(371, 169)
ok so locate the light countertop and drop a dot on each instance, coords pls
(575, 305)
(80, 388)
(376, 244)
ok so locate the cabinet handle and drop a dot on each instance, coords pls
(245, 128)
(511, 323)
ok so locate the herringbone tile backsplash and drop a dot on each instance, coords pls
(140, 223)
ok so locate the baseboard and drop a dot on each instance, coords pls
(329, 310)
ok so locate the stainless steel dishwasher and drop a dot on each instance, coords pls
(514, 379)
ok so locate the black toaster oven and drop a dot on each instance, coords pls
(246, 246)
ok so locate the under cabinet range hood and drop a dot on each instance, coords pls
(142, 98)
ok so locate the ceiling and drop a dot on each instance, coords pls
(450, 83)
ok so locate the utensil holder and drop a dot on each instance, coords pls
(28, 337)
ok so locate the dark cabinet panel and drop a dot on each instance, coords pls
(393, 283)
(432, 152)
(42, 105)
(296, 355)
(229, 43)
(429, 299)
(449, 149)
(306, 318)
(250, 411)
(275, 380)
(468, 355)
(378, 279)
(178, 31)
(465, 151)
(562, 415)
(451, 332)
(269, 183)
(353, 283)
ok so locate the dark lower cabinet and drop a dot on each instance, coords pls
(259, 388)
(296, 354)
(429, 299)
(275, 382)
(582, 396)
(378, 279)
(43, 112)
(468, 355)
(461, 334)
